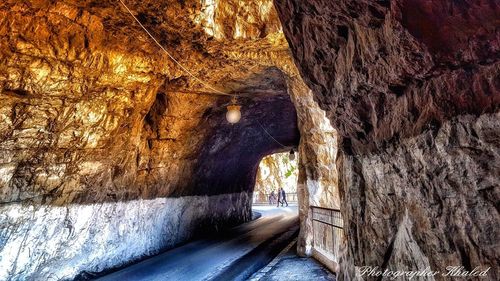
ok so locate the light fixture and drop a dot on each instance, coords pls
(233, 114)
(291, 156)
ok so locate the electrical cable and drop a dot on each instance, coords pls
(172, 57)
(270, 134)
(186, 70)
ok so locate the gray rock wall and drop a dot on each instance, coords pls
(44, 242)
(428, 201)
(412, 88)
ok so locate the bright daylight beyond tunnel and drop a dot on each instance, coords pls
(277, 171)
(249, 140)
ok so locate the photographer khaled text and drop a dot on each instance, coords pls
(451, 271)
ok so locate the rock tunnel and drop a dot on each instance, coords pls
(110, 152)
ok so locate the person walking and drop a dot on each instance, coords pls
(279, 198)
(283, 197)
(272, 198)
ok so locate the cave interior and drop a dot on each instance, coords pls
(106, 141)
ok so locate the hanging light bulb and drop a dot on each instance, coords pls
(291, 156)
(233, 114)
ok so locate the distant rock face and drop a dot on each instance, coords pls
(275, 171)
(412, 89)
(104, 140)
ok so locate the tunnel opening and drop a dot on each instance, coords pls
(116, 147)
(276, 171)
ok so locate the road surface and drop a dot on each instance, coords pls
(214, 258)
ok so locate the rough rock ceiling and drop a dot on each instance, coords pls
(91, 110)
(109, 152)
(246, 37)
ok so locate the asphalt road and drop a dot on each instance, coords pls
(212, 258)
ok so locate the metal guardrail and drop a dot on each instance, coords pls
(328, 232)
(264, 198)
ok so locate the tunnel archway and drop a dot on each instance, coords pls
(231, 155)
(276, 171)
(100, 122)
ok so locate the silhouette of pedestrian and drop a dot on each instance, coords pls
(279, 198)
(283, 197)
(272, 198)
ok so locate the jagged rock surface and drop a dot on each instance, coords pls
(46, 242)
(412, 88)
(86, 104)
(94, 118)
(318, 174)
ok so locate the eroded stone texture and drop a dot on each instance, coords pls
(318, 174)
(412, 88)
(58, 243)
(89, 110)
(440, 187)
(275, 171)
(94, 116)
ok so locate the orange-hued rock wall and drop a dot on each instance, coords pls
(90, 106)
(109, 151)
